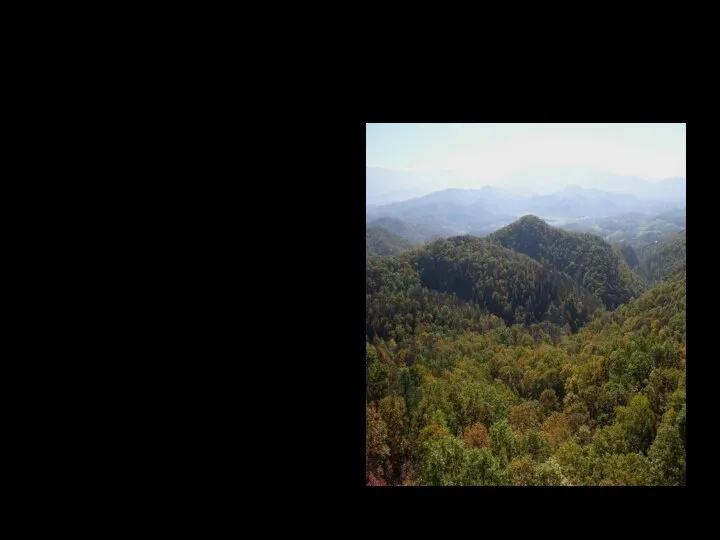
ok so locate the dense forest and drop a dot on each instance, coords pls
(530, 357)
(478, 275)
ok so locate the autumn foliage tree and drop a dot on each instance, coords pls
(477, 437)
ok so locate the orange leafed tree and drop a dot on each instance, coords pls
(477, 437)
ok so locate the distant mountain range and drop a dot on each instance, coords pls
(384, 186)
(553, 179)
(480, 211)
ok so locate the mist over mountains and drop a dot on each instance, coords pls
(613, 207)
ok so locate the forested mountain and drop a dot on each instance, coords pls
(506, 283)
(662, 260)
(380, 241)
(494, 366)
(587, 259)
(471, 277)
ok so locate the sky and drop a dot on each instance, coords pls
(487, 153)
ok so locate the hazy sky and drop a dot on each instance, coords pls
(490, 151)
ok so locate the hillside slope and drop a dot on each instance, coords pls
(662, 260)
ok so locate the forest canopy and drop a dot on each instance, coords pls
(533, 356)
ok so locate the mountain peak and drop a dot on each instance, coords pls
(530, 219)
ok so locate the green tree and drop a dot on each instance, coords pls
(667, 453)
(503, 442)
(638, 422)
(550, 474)
(576, 462)
(443, 462)
(379, 380)
(482, 469)
(626, 469)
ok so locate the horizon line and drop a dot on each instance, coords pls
(470, 176)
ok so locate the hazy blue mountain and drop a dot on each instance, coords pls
(576, 201)
(553, 179)
(451, 211)
(480, 211)
(615, 208)
(384, 186)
